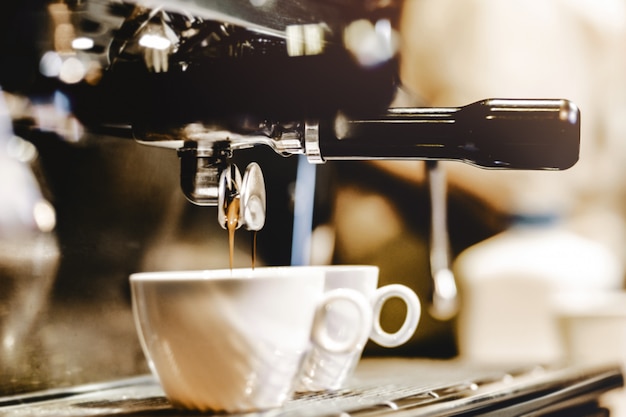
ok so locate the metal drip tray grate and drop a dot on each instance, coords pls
(381, 387)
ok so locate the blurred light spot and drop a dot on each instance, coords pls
(63, 36)
(384, 30)
(72, 70)
(322, 245)
(371, 44)
(305, 39)
(50, 64)
(82, 43)
(21, 150)
(342, 126)
(313, 39)
(258, 3)
(94, 73)
(61, 102)
(45, 216)
(8, 342)
(153, 41)
(59, 12)
(607, 14)
(56, 116)
(74, 131)
(295, 45)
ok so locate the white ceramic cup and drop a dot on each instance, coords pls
(234, 340)
(323, 370)
(593, 326)
(593, 330)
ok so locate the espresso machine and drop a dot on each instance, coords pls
(208, 78)
(316, 80)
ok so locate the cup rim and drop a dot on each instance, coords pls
(345, 267)
(237, 273)
(209, 274)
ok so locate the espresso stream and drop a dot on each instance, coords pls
(232, 221)
(254, 248)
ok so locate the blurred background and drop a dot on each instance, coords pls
(80, 212)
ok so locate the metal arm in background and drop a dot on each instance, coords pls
(445, 303)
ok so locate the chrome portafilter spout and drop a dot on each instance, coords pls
(229, 207)
(253, 199)
(241, 202)
(209, 179)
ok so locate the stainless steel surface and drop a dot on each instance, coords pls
(58, 393)
(380, 387)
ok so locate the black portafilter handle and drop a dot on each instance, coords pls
(494, 133)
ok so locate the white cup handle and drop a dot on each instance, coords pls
(359, 337)
(413, 314)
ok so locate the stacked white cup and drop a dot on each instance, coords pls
(243, 340)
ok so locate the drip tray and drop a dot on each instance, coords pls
(380, 387)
